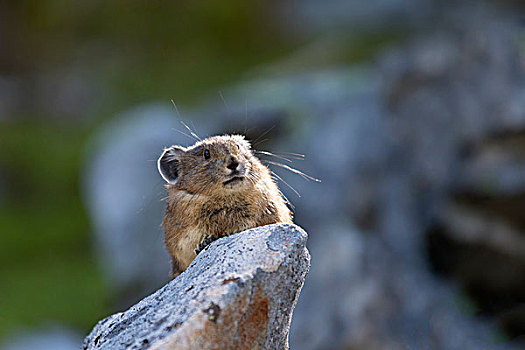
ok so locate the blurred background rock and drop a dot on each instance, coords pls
(412, 113)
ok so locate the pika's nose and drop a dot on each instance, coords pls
(233, 163)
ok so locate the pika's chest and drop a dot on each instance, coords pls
(226, 215)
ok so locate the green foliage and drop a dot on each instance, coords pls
(46, 260)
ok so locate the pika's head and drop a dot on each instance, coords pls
(216, 163)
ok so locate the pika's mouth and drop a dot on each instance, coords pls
(234, 180)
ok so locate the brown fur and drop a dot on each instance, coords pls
(200, 204)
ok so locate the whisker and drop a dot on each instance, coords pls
(224, 101)
(176, 109)
(194, 128)
(195, 136)
(273, 155)
(183, 133)
(258, 143)
(191, 131)
(293, 155)
(287, 201)
(293, 170)
(251, 179)
(287, 184)
(245, 115)
(264, 133)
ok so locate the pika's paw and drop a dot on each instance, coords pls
(205, 242)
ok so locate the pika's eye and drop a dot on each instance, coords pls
(206, 154)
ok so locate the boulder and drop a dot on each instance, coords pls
(239, 292)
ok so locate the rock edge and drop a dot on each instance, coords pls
(240, 292)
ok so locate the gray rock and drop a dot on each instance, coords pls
(455, 128)
(359, 295)
(315, 15)
(239, 292)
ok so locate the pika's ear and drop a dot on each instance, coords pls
(169, 163)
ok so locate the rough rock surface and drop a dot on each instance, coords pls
(240, 292)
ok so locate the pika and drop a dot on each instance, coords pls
(215, 188)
